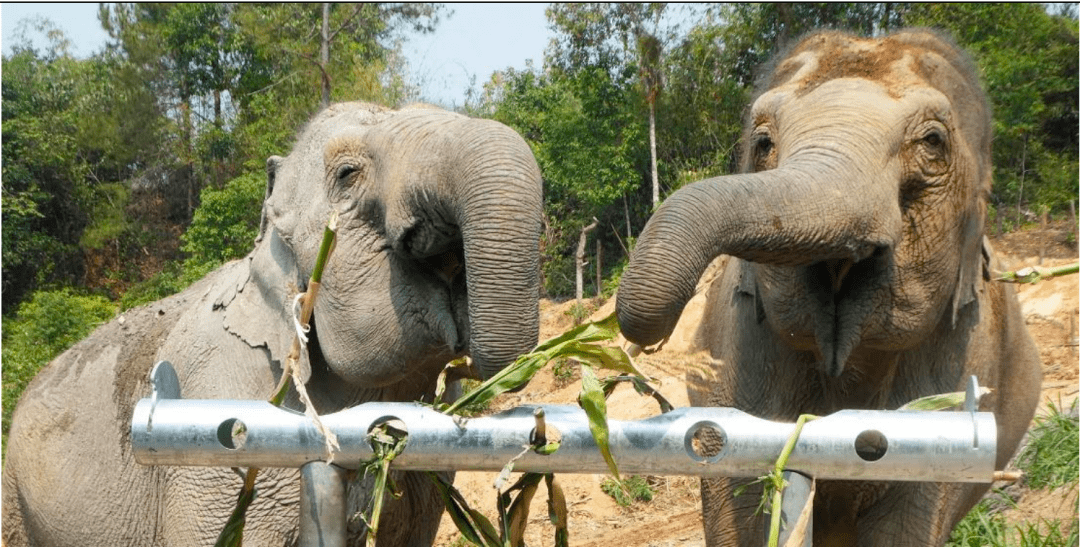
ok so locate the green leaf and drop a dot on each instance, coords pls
(232, 534)
(577, 343)
(592, 401)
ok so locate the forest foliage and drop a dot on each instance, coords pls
(138, 169)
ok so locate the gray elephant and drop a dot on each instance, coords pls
(436, 256)
(860, 272)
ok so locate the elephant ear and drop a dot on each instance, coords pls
(748, 287)
(974, 257)
(261, 311)
(272, 165)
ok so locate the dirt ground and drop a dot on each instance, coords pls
(673, 518)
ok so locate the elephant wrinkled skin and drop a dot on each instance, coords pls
(436, 256)
(858, 277)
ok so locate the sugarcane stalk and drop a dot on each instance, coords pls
(1034, 274)
(232, 533)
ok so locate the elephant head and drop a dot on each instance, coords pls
(436, 251)
(866, 169)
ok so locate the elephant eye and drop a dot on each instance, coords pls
(763, 150)
(345, 171)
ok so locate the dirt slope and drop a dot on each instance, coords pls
(672, 518)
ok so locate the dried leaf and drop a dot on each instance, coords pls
(557, 511)
(515, 513)
(473, 525)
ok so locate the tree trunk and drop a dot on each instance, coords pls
(652, 152)
(599, 269)
(189, 155)
(324, 54)
(1020, 197)
(581, 260)
(1072, 219)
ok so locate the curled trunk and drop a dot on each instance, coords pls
(790, 216)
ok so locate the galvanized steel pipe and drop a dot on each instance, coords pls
(708, 442)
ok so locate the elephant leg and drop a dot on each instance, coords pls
(917, 514)
(730, 520)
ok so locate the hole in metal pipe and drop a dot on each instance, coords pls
(871, 445)
(232, 434)
(390, 426)
(705, 442)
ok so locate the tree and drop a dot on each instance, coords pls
(1028, 61)
(649, 53)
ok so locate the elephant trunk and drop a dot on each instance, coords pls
(500, 207)
(791, 216)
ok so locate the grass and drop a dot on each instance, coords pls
(1049, 460)
(637, 489)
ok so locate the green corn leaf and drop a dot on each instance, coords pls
(640, 386)
(596, 331)
(578, 343)
(232, 534)
(592, 401)
(517, 374)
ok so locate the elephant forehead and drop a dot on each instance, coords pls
(825, 58)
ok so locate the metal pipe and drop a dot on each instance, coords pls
(707, 442)
(797, 494)
(322, 505)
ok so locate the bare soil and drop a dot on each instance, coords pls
(673, 518)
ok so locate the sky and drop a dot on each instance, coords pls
(476, 40)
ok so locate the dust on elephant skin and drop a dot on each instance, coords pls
(859, 274)
(436, 257)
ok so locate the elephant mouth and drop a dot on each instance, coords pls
(843, 293)
(452, 324)
(447, 265)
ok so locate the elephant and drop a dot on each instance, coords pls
(857, 274)
(436, 257)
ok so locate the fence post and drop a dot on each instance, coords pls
(322, 505)
(798, 498)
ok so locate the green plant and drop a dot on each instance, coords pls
(579, 312)
(1033, 535)
(563, 370)
(634, 488)
(473, 408)
(45, 326)
(1050, 459)
(981, 527)
(224, 226)
(169, 281)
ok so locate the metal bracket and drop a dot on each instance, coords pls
(164, 385)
